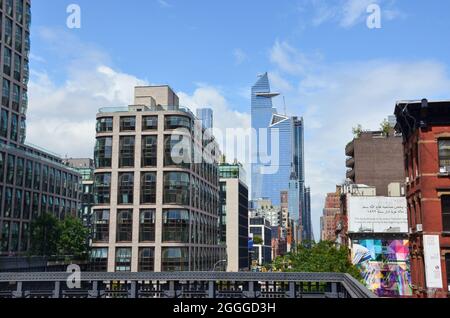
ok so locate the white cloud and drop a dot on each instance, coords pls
(290, 60)
(336, 97)
(164, 4)
(240, 56)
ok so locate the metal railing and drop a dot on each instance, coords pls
(181, 285)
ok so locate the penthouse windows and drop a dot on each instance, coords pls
(103, 152)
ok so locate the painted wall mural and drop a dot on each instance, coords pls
(385, 266)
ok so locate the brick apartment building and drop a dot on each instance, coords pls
(376, 159)
(426, 135)
(328, 220)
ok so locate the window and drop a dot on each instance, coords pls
(445, 201)
(147, 225)
(37, 177)
(10, 169)
(17, 67)
(101, 226)
(5, 93)
(175, 259)
(175, 226)
(148, 188)
(35, 206)
(149, 123)
(175, 122)
(102, 188)
(176, 188)
(19, 11)
(126, 185)
(149, 151)
(444, 155)
(8, 31)
(7, 61)
(45, 179)
(124, 225)
(99, 259)
(146, 259)
(105, 125)
(126, 148)
(20, 171)
(4, 242)
(127, 124)
(24, 237)
(2, 167)
(8, 202)
(27, 206)
(4, 124)
(18, 39)
(14, 127)
(29, 174)
(123, 259)
(177, 151)
(16, 98)
(17, 204)
(103, 152)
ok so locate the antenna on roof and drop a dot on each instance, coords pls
(284, 102)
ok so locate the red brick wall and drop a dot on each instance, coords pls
(424, 205)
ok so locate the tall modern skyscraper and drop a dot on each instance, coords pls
(205, 115)
(289, 150)
(32, 180)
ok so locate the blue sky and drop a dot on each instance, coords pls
(331, 68)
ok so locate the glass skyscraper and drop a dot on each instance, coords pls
(205, 115)
(288, 132)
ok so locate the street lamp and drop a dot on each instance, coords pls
(217, 263)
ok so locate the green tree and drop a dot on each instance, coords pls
(357, 131)
(257, 240)
(72, 241)
(45, 233)
(386, 127)
(324, 257)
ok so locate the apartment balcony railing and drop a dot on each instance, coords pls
(350, 174)
(350, 149)
(350, 162)
(182, 285)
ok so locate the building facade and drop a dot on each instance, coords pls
(376, 159)
(425, 127)
(234, 216)
(32, 180)
(85, 167)
(261, 234)
(156, 188)
(327, 221)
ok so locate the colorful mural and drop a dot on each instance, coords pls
(385, 266)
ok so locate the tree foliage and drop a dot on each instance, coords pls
(357, 131)
(324, 257)
(257, 240)
(45, 232)
(73, 238)
(51, 237)
(385, 127)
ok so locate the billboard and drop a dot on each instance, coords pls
(384, 266)
(432, 255)
(377, 214)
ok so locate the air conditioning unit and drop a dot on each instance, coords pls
(419, 228)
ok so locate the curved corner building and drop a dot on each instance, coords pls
(154, 211)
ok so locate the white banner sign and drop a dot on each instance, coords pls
(432, 254)
(377, 214)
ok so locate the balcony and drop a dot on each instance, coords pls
(350, 149)
(350, 174)
(350, 162)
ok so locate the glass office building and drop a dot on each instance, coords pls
(290, 144)
(32, 180)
